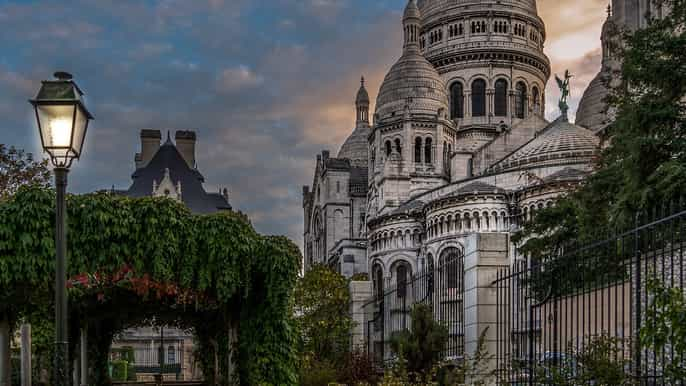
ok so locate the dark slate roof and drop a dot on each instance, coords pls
(566, 174)
(477, 187)
(409, 207)
(193, 194)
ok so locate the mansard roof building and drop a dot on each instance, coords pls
(169, 169)
(458, 145)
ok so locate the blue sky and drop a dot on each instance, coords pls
(267, 84)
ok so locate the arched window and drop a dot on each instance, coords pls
(398, 146)
(520, 100)
(428, 151)
(171, 355)
(457, 100)
(500, 102)
(451, 269)
(536, 100)
(479, 98)
(402, 273)
(418, 150)
(378, 281)
(388, 148)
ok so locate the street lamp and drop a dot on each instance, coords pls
(62, 121)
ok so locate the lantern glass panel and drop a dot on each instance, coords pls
(80, 127)
(56, 128)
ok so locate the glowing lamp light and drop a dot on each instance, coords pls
(62, 119)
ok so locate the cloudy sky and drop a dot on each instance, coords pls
(267, 84)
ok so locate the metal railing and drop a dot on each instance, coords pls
(441, 288)
(550, 311)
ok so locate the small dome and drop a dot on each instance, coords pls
(362, 95)
(592, 111)
(412, 82)
(355, 148)
(561, 141)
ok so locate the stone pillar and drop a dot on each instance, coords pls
(485, 255)
(360, 293)
(26, 354)
(83, 366)
(5, 365)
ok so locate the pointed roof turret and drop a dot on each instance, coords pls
(411, 25)
(362, 95)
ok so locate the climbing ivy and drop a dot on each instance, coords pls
(132, 260)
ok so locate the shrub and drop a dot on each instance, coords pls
(422, 347)
(120, 370)
(358, 369)
(317, 374)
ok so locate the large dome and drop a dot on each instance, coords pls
(428, 7)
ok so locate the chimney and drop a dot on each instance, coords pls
(150, 143)
(185, 143)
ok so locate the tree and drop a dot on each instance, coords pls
(18, 168)
(645, 162)
(422, 347)
(664, 331)
(321, 309)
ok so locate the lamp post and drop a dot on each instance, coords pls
(62, 122)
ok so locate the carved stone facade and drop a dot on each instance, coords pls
(458, 146)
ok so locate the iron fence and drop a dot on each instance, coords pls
(550, 312)
(440, 287)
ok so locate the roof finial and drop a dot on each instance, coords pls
(609, 11)
(362, 81)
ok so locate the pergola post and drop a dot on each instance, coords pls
(26, 354)
(83, 347)
(233, 339)
(5, 366)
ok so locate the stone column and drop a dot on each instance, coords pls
(26, 354)
(360, 293)
(5, 366)
(485, 255)
(83, 366)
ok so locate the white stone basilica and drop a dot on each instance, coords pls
(459, 143)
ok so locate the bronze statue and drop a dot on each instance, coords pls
(564, 89)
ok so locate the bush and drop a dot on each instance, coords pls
(120, 370)
(422, 347)
(358, 369)
(317, 374)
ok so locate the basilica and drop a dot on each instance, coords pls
(458, 142)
